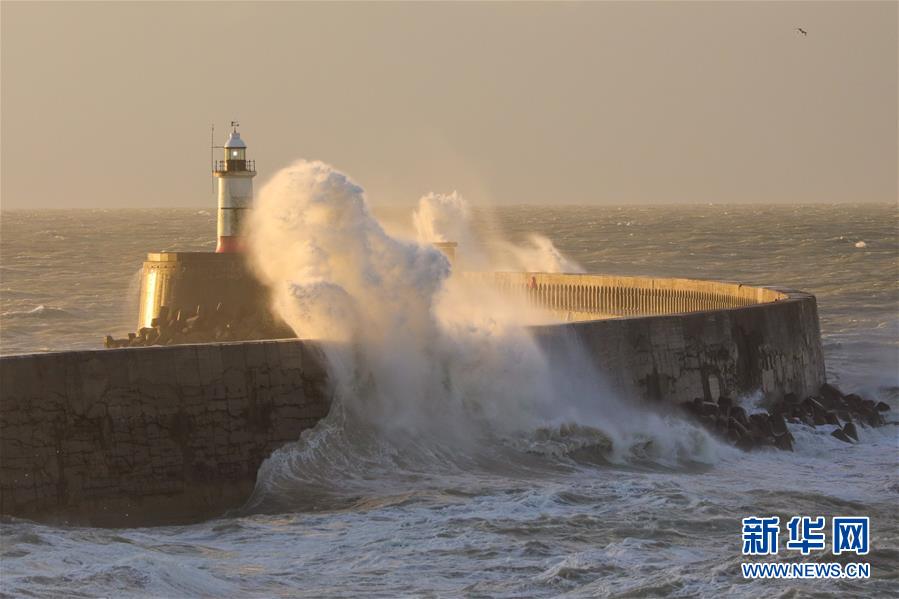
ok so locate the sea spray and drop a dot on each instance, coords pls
(404, 348)
(539, 254)
(448, 217)
(429, 372)
(443, 217)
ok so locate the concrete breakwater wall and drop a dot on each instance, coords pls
(678, 339)
(176, 433)
(773, 348)
(150, 435)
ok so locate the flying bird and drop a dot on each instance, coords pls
(802, 31)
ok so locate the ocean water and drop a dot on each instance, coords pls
(543, 514)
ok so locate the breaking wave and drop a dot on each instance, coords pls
(432, 376)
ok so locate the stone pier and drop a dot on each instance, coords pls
(176, 433)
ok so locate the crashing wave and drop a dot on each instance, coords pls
(430, 373)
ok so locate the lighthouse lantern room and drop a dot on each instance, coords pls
(235, 192)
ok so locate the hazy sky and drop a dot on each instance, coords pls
(109, 104)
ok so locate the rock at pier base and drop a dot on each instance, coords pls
(205, 326)
(841, 435)
(729, 421)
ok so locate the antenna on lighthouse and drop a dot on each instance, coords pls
(212, 157)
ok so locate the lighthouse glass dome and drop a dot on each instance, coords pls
(235, 158)
(235, 148)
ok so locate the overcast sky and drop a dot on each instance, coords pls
(110, 104)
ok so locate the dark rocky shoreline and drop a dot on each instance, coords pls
(831, 407)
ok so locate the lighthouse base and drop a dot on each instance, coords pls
(203, 296)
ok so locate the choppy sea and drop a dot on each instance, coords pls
(512, 523)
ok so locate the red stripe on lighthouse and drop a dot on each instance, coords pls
(229, 245)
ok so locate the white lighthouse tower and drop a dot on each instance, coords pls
(235, 192)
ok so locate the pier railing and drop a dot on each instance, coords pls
(584, 297)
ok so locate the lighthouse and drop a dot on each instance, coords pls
(235, 192)
(177, 287)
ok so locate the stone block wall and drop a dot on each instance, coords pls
(150, 435)
(773, 348)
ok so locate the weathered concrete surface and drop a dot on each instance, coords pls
(150, 435)
(678, 339)
(774, 348)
